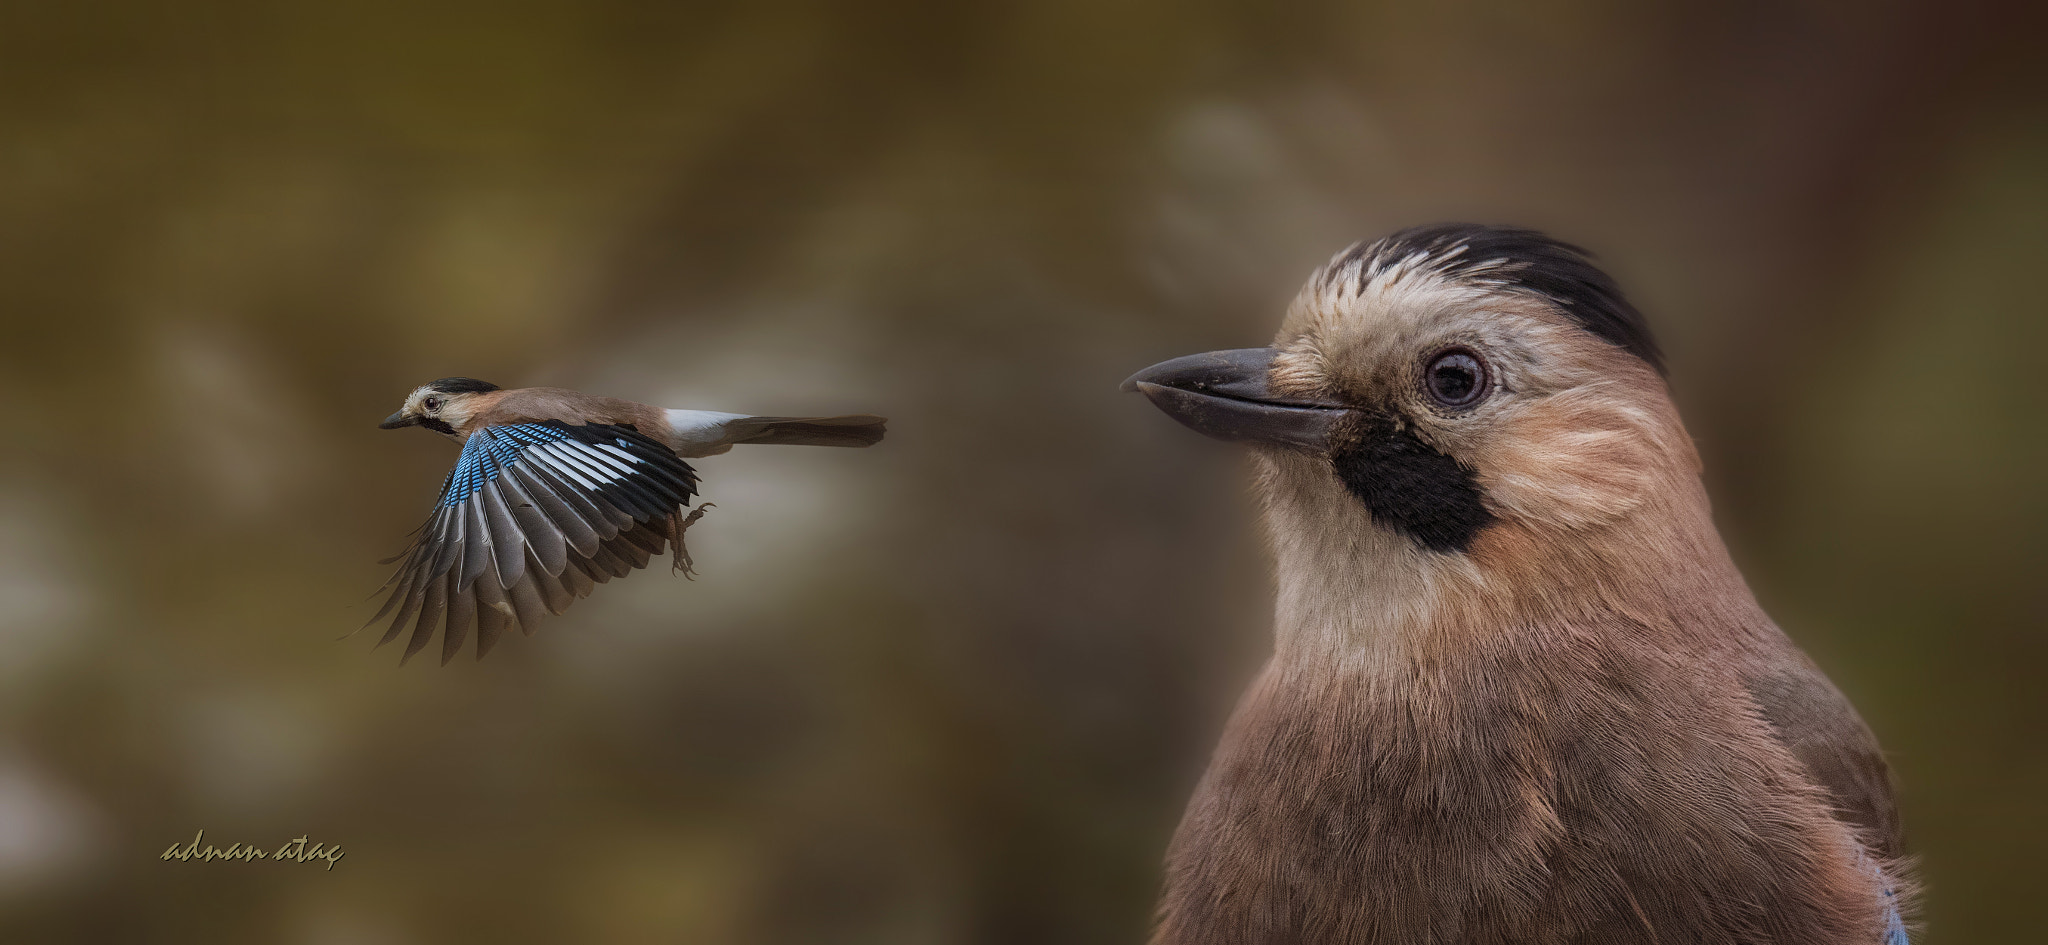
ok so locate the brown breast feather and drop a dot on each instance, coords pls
(1581, 786)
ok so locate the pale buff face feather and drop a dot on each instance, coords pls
(456, 410)
(1572, 443)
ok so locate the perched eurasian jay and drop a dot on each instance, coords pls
(1518, 692)
(555, 492)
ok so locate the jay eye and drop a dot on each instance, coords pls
(1455, 378)
(431, 403)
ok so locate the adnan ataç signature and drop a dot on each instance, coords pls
(294, 850)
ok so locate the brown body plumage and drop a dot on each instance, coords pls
(1556, 716)
(556, 403)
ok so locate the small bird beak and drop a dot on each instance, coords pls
(397, 420)
(1224, 394)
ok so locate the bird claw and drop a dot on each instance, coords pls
(680, 524)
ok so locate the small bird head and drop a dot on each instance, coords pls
(1456, 397)
(444, 406)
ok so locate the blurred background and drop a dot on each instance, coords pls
(955, 688)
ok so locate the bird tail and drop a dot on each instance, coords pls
(851, 430)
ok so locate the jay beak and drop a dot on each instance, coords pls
(556, 492)
(1519, 692)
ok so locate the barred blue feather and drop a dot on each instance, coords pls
(1894, 923)
(533, 516)
(1894, 926)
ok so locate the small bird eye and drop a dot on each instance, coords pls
(1456, 378)
(431, 403)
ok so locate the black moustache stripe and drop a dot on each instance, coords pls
(1408, 485)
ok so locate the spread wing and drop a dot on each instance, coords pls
(1819, 726)
(532, 517)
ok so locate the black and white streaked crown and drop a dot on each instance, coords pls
(461, 385)
(1514, 258)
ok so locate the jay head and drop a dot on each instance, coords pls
(557, 491)
(1519, 692)
(446, 406)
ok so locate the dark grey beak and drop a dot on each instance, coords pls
(397, 420)
(1224, 394)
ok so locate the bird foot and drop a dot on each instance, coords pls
(678, 525)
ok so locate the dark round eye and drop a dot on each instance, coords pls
(1455, 378)
(431, 403)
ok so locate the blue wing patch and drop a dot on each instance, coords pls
(1894, 921)
(633, 472)
(483, 457)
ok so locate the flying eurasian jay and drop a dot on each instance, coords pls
(557, 491)
(1518, 692)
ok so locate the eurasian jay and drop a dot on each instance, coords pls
(1518, 692)
(557, 491)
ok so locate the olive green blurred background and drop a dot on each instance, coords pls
(954, 688)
